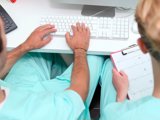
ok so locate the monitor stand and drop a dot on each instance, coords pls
(98, 11)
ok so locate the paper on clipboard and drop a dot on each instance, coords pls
(138, 67)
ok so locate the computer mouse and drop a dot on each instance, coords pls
(13, 1)
(135, 28)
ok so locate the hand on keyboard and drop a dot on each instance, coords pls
(80, 38)
(39, 37)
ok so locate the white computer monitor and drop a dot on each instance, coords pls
(101, 7)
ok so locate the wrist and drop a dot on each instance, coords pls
(26, 47)
(80, 51)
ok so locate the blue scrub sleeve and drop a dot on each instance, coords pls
(69, 105)
(108, 92)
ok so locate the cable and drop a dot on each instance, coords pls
(123, 12)
(98, 12)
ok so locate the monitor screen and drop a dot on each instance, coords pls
(113, 3)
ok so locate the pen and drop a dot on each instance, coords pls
(13, 1)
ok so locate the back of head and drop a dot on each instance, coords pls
(148, 19)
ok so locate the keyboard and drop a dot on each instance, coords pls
(9, 24)
(100, 27)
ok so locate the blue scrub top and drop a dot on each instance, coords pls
(147, 108)
(38, 84)
(25, 105)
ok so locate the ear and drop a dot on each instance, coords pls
(142, 46)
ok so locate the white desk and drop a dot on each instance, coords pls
(27, 15)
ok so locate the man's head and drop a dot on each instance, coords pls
(2, 45)
(148, 19)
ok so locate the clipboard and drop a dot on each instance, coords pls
(138, 67)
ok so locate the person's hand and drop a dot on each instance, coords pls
(121, 84)
(80, 38)
(39, 37)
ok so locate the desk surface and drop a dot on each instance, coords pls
(27, 15)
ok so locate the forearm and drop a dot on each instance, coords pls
(12, 57)
(38, 38)
(80, 74)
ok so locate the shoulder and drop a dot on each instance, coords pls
(67, 104)
(131, 108)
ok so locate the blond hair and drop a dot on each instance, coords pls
(148, 19)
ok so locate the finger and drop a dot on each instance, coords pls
(78, 27)
(123, 74)
(46, 40)
(48, 31)
(115, 75)
(74, 29)
(115, 72)
(83, 26)
(68, 37)
(88, 31)
(47, 26)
